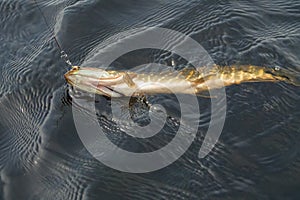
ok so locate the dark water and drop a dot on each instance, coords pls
(41, 155)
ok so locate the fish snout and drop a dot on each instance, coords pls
(286, 75)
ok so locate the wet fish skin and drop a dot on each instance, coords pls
(187, 81)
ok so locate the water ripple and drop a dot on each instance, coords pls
(257, 156)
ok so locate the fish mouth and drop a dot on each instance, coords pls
(285, 75)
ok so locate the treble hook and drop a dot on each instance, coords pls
(65, 57)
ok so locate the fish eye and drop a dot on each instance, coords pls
(276, 68)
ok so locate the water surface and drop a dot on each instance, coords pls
(41, 155)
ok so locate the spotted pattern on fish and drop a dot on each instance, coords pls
(201, 79)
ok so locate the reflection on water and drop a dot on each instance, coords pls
(41, 155)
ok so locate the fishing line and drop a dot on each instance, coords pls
(63, 54)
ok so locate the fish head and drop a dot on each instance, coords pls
(94, 80)
(285, 75)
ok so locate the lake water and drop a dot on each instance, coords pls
(41, 154)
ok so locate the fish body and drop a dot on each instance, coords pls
(120, 83)
(187, 81)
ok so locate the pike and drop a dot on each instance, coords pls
(187, 81)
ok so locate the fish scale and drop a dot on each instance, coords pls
(186, 81)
